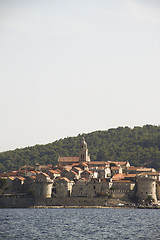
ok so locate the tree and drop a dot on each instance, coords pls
(149, 199)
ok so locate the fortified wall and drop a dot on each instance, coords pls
(146, 186)
(81, 201)
(16, 201)
(77, 181)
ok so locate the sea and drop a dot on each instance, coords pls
(79, 223)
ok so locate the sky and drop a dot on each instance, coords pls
(77, 66)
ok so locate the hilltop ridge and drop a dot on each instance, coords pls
(140, 146)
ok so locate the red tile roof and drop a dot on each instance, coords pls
(33, 177)
(67, 170)
(54, 171)
(123, 181)
(74, 172)
(14, 173)
(84, 163)
(74, 164)
(45, 174)
(21, 178)
(132, 168)
(79, 169)
(87, 172)
(131, 175)
(139, 169)
(68, 159)
(115, 168)
(58, 170)
(118, 176)
(97, 163)
(144, 169)
(66, 179)
(118, 163)
(149, 174)
(11, 178)
(68, 166)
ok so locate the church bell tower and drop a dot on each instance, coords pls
(83, 152)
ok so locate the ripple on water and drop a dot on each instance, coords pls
(79, 224)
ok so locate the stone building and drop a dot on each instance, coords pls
(146, 186)
(83, 152)
(83, 156)
(80, 188)
(29, 185)
(79, 177)
(138, 170)
(93, 164)
(53, 174)
(9, 184)
(69, 174)
(123, 185)
(62, 187)
(43, 187)
(104, 172)
(17, 185)
(91, 189)
(116, 170)
(87, 174)
(124, 165)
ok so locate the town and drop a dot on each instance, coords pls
(79, 181)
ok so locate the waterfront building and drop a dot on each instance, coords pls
(62, 187)
(43, 186)
(146, 186)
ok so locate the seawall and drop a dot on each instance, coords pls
(16, 202)
(23, 201)
(81, 201)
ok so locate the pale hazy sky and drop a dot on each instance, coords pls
(77, 66)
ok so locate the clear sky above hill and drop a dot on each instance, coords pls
(68, 67)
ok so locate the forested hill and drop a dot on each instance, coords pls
(140, 146)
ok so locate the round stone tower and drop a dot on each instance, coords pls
(146, 186)
(83, 152)
(43, 186)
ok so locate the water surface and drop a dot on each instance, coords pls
(79, 224)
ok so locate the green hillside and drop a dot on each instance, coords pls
(140, 146)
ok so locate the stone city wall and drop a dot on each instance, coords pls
(16, 202)
(81, 201)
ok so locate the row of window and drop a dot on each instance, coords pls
(146, 193)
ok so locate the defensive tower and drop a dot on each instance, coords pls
(146, 186)
(43, 186)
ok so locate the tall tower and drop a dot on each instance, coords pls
(83, 152)
(146, 186)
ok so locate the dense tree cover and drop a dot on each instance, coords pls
(140, 146)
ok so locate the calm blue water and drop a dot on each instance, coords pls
(79, 224)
